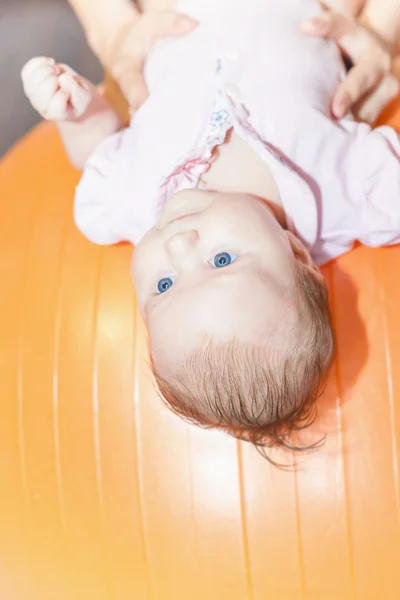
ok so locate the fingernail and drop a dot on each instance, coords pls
(341, 105)
(186, 23)
(316, 25)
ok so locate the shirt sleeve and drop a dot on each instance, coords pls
(380, 213)
(98, 210)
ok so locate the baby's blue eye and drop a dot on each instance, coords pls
(164, 284)
(223, 259)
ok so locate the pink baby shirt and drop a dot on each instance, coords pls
(249, 67)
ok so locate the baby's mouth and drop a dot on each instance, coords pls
(181, 217)
(175, 219)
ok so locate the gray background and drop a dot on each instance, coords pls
(32, 28)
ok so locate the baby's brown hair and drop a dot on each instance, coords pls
(257, 393)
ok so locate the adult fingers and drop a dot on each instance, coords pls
(361, 79)
(128, 71)
(165, 23)
(328, 24)
(134, 88)
(369, 109)
(128, 68)
(354, 40)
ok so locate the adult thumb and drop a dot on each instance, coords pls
(168, 23)
(329, 25)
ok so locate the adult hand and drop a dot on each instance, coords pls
(133, 44)
(371, 82)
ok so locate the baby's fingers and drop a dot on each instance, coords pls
(361, 80)
(35, 75)
(77, 91)
(41, 95)
(34, 65)
(57, 109)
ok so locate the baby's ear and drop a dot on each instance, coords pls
(300, 252)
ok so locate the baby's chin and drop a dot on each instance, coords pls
(184, 203)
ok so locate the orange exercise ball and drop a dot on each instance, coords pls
(105, 495)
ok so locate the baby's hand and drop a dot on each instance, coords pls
(371, 82)
(54, 90)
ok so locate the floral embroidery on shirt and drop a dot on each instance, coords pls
(187, 174)
(189, 171)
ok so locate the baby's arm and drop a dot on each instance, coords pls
(83, 116)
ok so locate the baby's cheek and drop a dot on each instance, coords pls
(135, 266)
(138, 272)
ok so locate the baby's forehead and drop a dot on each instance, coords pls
(246, 309)
(230, 290)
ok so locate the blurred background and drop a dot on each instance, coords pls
(32, 28)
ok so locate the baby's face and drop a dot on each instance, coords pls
(216, 265)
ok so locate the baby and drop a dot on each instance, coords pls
(233, 182)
